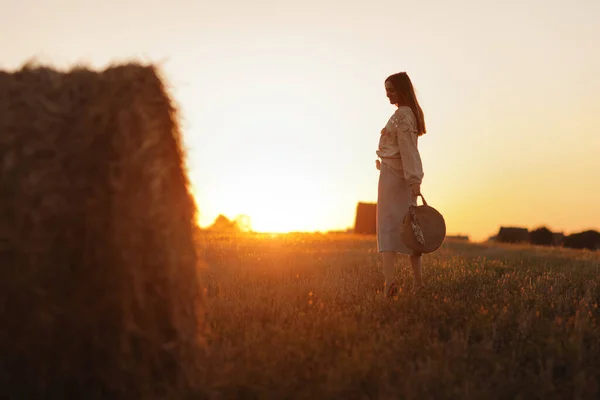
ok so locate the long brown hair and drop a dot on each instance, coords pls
(404, 87)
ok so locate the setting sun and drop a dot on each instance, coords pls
(276, 202)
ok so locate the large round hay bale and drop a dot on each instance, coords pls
(98, 281)
(365, 222)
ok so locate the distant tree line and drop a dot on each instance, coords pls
(543, 236)
(223, 224)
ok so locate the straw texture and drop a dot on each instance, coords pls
(98, 284)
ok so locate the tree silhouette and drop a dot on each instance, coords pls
(243, 223)
(583, 240)
(224, 224)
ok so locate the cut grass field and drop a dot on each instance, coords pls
(299, 316)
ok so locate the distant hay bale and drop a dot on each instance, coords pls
(512, 235)
(557, 238)
(98, 284)
(366, 219)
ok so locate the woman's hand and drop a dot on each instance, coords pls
(415, 189)
(378, 164)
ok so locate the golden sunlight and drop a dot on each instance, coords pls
(276, 205)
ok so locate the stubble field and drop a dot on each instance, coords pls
(299, 316)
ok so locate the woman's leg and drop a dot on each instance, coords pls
(389, 268)
(415, 262)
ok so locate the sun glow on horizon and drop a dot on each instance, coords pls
(281, 110)
(274, 203)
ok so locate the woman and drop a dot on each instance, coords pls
(400, 177)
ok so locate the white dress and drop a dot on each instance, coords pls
(400, 167)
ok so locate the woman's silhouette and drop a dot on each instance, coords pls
(400, 177)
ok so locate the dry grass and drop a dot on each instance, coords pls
(299, 317)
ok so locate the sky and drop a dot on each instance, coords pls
(282, 102)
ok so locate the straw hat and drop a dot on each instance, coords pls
(424, 228)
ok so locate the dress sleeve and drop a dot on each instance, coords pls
(409, 151)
